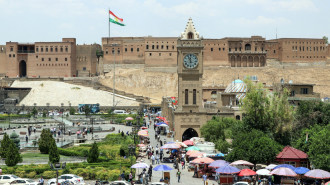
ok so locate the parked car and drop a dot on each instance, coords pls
(20, 181)
(158, 183)
(119, 112)
(7, 178)
(241, 183)
(67, 177)
(120, 183)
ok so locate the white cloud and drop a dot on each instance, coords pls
(261, 20)
(287, 5)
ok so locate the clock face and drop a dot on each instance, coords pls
(190, 61)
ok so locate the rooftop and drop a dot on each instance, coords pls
(289, 152)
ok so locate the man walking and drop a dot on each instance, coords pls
(41, 181)
(204, 178)
(178, 174)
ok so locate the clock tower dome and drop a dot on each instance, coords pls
(190, 70)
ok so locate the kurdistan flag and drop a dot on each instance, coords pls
(115, 19)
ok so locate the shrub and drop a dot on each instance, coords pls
(31, 175)
(49, 174)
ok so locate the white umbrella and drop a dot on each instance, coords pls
(181, 143)
(163, 125)
(263, 172)
(241, 162)
(140, 165)
(271, 166)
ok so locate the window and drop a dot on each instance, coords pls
(125, 49)
(172, 47)
(229, 49)
(65, 59)
(211, 49)
(42, 49)
(186, 96)
(36, 56)
(247, 47)
(47, 49)
(137, 49)
(84, 68)
(194, 96)
(55, 49)
(49, 59)
(304, 164)
(56, 59)
(170, 54)
(51, 49)
(190, 35)
(61, 49)
(219, 49)
(235, 48)
(162, 47)
(14, 55)
(166, 47)
(118, 51)
(11, 49)
(274, 51)
(66, 49)
(37, 49)
(223, 49)
(147, 46)
(157, 46)
(304, 91)
(131, 49)
(9, 55)
(150, 54)
(292, 93)
(153, 47)
(291, 163)
(42, 59)
(160, 54)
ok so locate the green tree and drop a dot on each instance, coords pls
(315, 141)
(325, 39)
(12, 155)
(213, 130)
(93, 153)
(15, 138)
(87, 110)
(72, 111)
(4, 145)
(254, 146)
(54, 156)
(34, 112)
(44, 114)
(45, 141)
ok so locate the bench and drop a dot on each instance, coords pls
(22, 133)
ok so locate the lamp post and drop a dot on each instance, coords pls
(92, 121)
(57, 166)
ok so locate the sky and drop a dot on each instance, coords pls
(87, 20)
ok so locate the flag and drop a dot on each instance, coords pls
(115, 19)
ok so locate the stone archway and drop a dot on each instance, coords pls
(233, 61)
(189, 133)
(244, 61)
(22, 68)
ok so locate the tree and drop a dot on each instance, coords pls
(213, 130)
(54, 156)
(15, 138)
(4, 145)
(325, 39)
(254, 146)
(87, 110)
(45, 141)
(12, 155)
(315, 142)
(72, 111)
(93, 153)
(34, 112)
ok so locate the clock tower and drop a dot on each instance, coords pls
(190, 70)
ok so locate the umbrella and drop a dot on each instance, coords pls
(197, 154)
(141, 145)
(160, 123)
(328, 183)
(129, 118)
(271, 166)
(218, 163)
(220, 155)
(189, 143)
(162, 167)
(263, 172)
(171, 146)
(181, 144)
(163, 125)
(143, 133)
(318, 174)
(285, 166)
(301, 170)
(140, 165)
(192, 151)
(203, 160)
(241, 162)
(246, 172)
(283, 171)
(192, 148)
(174, 150)
(227, 170)
(143, 128)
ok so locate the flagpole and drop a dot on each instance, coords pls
(109, 25)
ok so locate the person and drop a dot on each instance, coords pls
(157, 159)
(195, 172)
(153, 159)
(178, 174)
(26, 139)
(41, 181)
(69, 132)
(150, 172)
(130, 177)
(0, 171)
(123, 176)
(34, 130)
(204, 178)
(183, 163)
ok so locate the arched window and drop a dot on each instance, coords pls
(238, 117)
(190, 35)
(247, 47)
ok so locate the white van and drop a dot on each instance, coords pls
(119, 112)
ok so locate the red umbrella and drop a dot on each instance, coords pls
(246, 172)
(188, 142)
(143, 128)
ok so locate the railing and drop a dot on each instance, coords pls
(249, 52)
(25, 51)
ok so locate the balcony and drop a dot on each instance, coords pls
(248, 52)
(25, 51)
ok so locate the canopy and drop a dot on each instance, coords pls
(160, 123)
(285, 166)
(227, 170)
(218, 163)
(188, 142)
(171, 146)
(318, 174)
(301, 170)
(181, 144)
(282, 171)
(140, 165)
(271, 166)
(162, 167)
(241, 162)
(197, 154)
(246, 172)
(141, 145)
(129, 118)
(327, 183)
(192, 151)
(192, 148)
(263, 172)
(143, 133)
(202, 160)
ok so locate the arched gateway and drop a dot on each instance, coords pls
(22, 69)
(189, 133)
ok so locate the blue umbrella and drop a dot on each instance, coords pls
(227, 170)
(220, 155)
(173, 151)
(285, 166)
(218, 163)
(160, 123)
(162, 167)
(301, 170)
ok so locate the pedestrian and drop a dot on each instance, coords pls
(59, 133)
(157, 159)
(69, 132)
(34, 130)
(183, 163)
(195, 172)
(161, 156)
(153, 159)
(130, 177)
(150, 172)
(26, 139)
(0, 171)
(123, 176)
(178, 174)
(204, 178)
(41, 181)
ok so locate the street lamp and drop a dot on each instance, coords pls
(92, 121)
(57, 166)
